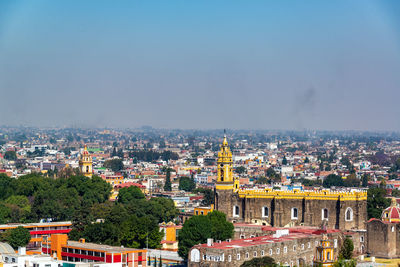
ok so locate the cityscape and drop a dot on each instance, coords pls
(199, 133)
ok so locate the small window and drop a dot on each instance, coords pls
(247, 255)
(294, 248)
(202, 212)
(302, 246)
(270, 251)
(294, 214)
(361, 239)
(324, 213)
(229, 258)
(197, 212)
(278, 250)
(262, 253)
(265, 212)
(335, 243)
(309, 245)
(242, 236)
(238, 257)
(349, 214)
(235, 211)
(255, 254)
(284, 249)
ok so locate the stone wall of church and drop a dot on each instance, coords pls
(291, 252)
(291, 212)
(382, 239)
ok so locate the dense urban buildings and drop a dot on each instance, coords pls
(278, 189)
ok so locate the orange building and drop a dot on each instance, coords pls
(80, 251)
(38, 230)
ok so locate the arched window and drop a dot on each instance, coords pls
(349, 215)
(324, 214)
(235, 211)
(262, 253)
(265, 211)
(87, 168)
(295, 214)
(195, 255)
(247, 255)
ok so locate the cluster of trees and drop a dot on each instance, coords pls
(209, 196)
(240, 170)
(33, 197)
(10, 155)
(132, 221)
(350, 181)
(376, 202)
(115, 165)
(151, 155)
(198, 229)
(187, 184)
(17, 237)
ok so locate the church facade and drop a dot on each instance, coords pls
(345, 210)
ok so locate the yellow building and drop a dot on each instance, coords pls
(86, 163)
(325, 253)
(170, 240)
(203, 210)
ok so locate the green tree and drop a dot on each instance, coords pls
(376, 202)
(284, 161)
(127, 194)
(351, 181)
(240, 170)
(270, 173)
(18, 237)
(10, 155)
(221, 229)
(365, 179)
(115, 165)
(209, 197)
(198, 228)
(346, 251)
(260, 262)
(396, 192)
(262, 180)
(167, 185)
(187, 184)
(332, 180)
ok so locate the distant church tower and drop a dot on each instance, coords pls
(86, 163)
(224, 162)
(225, 181)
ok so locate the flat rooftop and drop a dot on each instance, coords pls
(99, 247)
(294, 233)
(28, 225)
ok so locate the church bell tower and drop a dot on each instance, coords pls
(86, 163)
(226, 184)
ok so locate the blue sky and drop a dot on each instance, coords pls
(331, 65)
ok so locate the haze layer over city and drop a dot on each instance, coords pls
(201, 65)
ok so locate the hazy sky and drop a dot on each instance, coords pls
(331, 65)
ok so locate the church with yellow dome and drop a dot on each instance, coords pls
(337, 209)
(86, 163)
